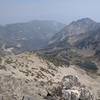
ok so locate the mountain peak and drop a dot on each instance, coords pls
(75, 28)
(84, 21)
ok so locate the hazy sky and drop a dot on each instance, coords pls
(65, 11)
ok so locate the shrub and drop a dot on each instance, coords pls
(9, 61)
(0, 59)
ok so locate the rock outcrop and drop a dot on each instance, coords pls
(71, 89)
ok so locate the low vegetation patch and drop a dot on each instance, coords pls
(9, 61)
(89, 65)
(2, 67)
(56, 61)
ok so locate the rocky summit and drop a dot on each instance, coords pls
(29, 76)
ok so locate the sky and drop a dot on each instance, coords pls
(14, 11)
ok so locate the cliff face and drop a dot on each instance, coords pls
(28, 76)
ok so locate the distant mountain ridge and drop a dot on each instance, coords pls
(78, 43)
(74, 29)
(28, 36)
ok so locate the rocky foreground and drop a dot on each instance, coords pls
(29, 77)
